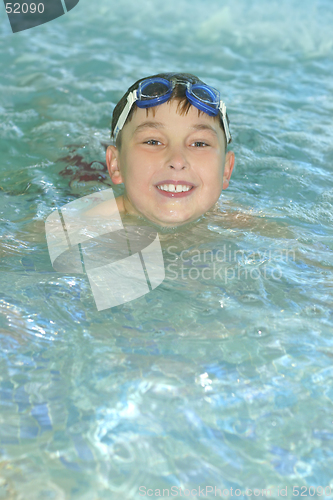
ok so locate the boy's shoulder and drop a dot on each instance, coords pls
(106, 208)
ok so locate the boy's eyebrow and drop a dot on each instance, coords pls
(200, 126)
(144, 125)
(204, 126)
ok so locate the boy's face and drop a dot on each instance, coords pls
(165, 149)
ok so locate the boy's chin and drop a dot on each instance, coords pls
(163, 220)
(172, 222)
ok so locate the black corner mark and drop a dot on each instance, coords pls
(70, 4)
(26, 14)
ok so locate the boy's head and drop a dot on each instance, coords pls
(171, 134)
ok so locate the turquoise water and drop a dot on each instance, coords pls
(218, 379)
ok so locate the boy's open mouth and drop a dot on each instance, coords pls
(175, 188)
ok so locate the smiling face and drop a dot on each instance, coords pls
(167, 149)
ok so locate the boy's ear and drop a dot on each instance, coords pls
(228, 167)
(112, 162)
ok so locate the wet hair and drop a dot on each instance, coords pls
(178, 93)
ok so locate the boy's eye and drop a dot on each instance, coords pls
(152, 142)
(199, 144)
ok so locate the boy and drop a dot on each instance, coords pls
(171, 132)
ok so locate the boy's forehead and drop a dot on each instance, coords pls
(169, 115)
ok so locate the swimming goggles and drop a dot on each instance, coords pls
(155, 91)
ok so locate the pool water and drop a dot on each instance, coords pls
(222, 375)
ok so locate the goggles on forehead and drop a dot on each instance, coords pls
(154, 91)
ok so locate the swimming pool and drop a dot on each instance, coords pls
(221, 376)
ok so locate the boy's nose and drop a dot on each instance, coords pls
(177, 158)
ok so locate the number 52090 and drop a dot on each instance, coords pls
(24, 8)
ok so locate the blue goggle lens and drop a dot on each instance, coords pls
(156, 90)
(205, 98)
(205, 95)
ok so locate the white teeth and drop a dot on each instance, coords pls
(174, 189)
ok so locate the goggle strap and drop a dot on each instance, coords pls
(131, 98)
(223, 110)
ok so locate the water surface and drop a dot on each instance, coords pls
(210, 380)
